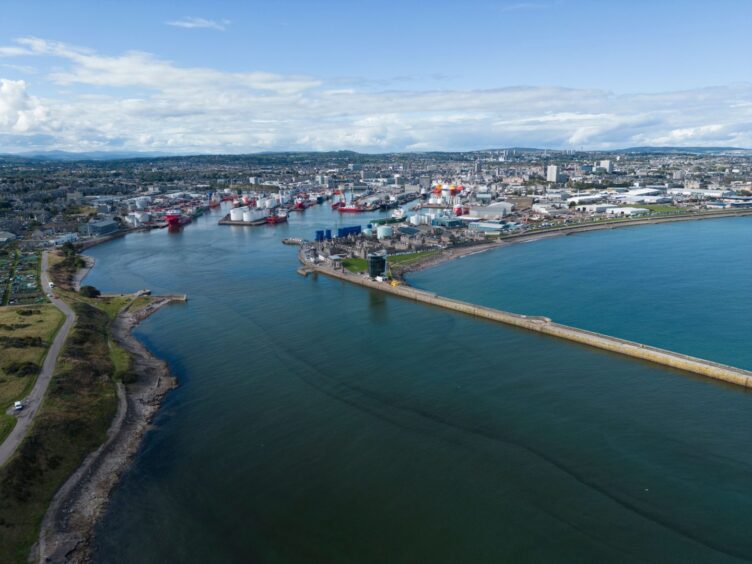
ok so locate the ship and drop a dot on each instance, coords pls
(350, 208)
(176, 219)
(280, 216)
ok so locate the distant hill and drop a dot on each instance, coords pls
(679, 150)
(281, 157)
(90, 156)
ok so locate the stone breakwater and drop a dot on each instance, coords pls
(546, 326)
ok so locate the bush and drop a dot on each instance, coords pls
(22, 368)
(89, 292)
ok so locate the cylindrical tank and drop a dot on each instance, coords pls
(236, 214)
(384, 231)
(414, 220)
(367, 231)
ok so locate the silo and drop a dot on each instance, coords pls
(236, 214)
(384, 231)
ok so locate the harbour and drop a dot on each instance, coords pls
(510, 408)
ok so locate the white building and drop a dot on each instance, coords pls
(552, 174)
(627, 212)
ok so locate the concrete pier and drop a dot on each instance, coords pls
(546, 326)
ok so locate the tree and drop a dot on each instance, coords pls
(69, 249)
(89, 292)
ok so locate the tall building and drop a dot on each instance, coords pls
(607, 166)
(552, 173)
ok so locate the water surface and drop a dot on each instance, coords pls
(318, 421)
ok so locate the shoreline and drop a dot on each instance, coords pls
(460, 252)
(68, 527)
(83, 272)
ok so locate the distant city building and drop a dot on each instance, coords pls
(6, 237)
(96, 228)
(553, 174)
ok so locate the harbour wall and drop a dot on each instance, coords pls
(546, 326)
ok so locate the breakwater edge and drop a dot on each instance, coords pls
(546, 326)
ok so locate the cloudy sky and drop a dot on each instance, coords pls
(210, 77)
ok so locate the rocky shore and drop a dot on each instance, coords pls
(68, 526)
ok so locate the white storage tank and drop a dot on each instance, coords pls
(414, 220)
(384, 231)
(236, 214)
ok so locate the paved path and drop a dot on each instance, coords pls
(33, 401)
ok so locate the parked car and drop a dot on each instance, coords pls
(18, 406)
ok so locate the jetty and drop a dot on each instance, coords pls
(546, 326)
(227, 221)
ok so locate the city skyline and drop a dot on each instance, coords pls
(218, 78)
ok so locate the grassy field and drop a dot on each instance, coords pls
(662, 208)
(25, 334)
(72, 422)
(404, 260)
(355, 264)
(361, 265)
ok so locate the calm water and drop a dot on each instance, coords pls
(683, 286)
(321, 422)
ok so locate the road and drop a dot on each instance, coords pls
(33, 401)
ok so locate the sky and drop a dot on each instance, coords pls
(189, 77)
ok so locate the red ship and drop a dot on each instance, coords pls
(175, 219)
(279, 217)
(351, 208)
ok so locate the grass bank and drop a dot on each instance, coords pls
(25, 335)
(361, 265)
(78, 408)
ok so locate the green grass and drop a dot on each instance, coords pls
(120, 358)
(662, 208)
(410, 257)
(355, 264)
(43, 323)
(78, 408)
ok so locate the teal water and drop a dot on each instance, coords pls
(683, 286)
(321, 422)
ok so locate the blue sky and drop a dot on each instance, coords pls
(373, 76)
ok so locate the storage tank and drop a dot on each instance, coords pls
(414, 220)
(236, 214)
(384, 231)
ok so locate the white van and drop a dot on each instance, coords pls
(18, 406)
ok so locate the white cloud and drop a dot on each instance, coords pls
(19, 112)
(136, 100)
(189, 22)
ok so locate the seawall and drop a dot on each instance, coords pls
(546, 326)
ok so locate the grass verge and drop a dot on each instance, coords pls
(78, 408)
